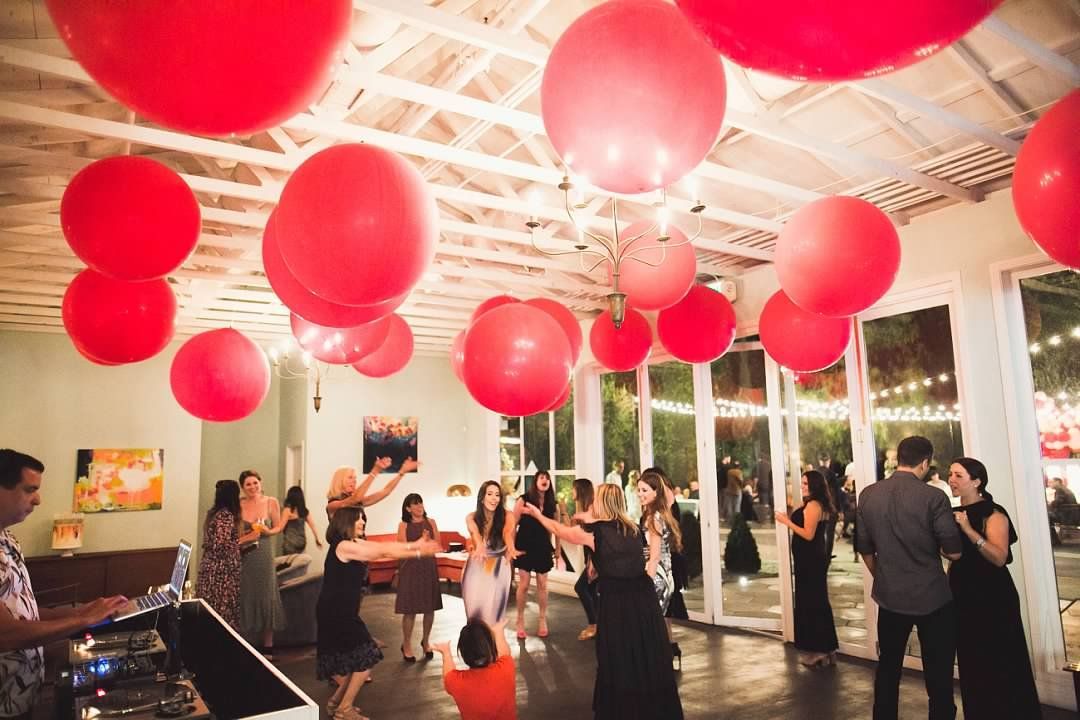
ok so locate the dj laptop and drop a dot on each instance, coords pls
(169, 596)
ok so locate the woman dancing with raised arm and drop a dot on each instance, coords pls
(485, 582)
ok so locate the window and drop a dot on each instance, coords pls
(544, 441)
(618, 399)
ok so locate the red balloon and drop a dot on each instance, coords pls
(210, 68)
(307, 304)
(800, 340)
(393, 355)
(624, 348)
(837, 232)
(566, 320)
(357, 224)
(517, 360)
(118, 322)
(130, 218)
(834, 40)
(490, 304)
(557, 405)
(220, 375)
(97, 361)
(1046, 182)
(665, 275)
(457, 356)
(699, 328)
(633, 97)
(339, 346)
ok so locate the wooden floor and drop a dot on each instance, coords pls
(726, 674)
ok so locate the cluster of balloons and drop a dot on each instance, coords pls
(1046, 182)
(806, 326)
(515, 357)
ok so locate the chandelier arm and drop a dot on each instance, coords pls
(605, 241)
(595, 265)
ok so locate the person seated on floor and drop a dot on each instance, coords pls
(486, 690)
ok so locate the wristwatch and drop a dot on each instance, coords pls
(978, 545)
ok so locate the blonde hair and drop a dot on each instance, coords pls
(610, 505)
(337, 482)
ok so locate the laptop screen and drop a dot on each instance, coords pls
(183, 554)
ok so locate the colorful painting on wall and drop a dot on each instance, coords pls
(392, 437)
(108, 480)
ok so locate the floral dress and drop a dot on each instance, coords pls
(663, 580)
(219, 570)
(21, 671)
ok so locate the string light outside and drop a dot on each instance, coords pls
(815, 410)
(1053, 341)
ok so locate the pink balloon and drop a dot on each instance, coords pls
(837, 232)
(130, 218)
(339, 346)
(833, 40)
(800, 340)
(1046, 182)
(220, 376)
(208, 68)
(665, 275)
(517, 360)
(624, 348)
(393, 355)
(490, 304)
(699, 328)
(307, 304)
(557, 405)
(633, 97)
(358, 224)
(457, 356)
(116, 322)
(566, 320)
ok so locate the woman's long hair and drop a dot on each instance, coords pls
(532, 495)
(655, 479)
(342, 525)
(337, 482)
(294, 499)
(226, 497)
(977, 471)
(611, 505)
(498, 518)
(584, 494)
(819, 490)
(410, 500)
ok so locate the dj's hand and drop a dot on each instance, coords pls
(94, 612)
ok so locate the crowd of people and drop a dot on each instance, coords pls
(632, 578)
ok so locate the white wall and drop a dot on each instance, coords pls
(55, 403)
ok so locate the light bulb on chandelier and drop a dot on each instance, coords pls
(283, 365)
(613, 248)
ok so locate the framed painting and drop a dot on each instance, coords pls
(392, 437)
(117, 480)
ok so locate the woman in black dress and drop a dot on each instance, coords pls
(634, 678)
(345, 650)
(534, 544)
(815, 632)
(991, 651)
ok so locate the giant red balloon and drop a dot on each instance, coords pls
(130, 218)
(832, 233)
(1046, 182)
(393, 355)
(457, 356)
(633, 97)
(307, 304)
(654, 278)
(699, 328)
(220, 375)
(517, 360)
(357, 224)
(566, 320)
(800, 340)
(339, 346)
(836, 39)
(490, 304)
(118, 322)
(210, 68)
(624, 348)
(557, 405)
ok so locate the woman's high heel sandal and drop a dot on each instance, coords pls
(676, 654)
(407, 658)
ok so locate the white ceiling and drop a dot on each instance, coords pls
(455, 88)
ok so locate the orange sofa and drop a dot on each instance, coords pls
(450, 564)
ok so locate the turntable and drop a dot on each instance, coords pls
(153, 700)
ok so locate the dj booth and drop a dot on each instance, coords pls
(180, 662)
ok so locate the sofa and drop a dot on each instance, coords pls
(299, 592)
(450, 564)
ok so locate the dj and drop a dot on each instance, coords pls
(24, 629)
